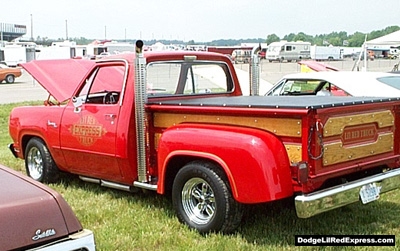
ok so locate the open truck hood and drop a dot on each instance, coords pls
(59, 77)
(31, 213)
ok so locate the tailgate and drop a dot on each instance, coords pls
(354, 138)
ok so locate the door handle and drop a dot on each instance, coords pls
(110, 117)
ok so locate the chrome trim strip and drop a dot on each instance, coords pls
(308, 205)
(82, 240)
(145, 185)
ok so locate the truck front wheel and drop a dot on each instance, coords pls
(38, 162)
(202, 199)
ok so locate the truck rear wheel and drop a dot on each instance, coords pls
(38, 162)
(202, 199)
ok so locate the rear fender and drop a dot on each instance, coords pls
(254, 161)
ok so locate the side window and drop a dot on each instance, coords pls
(104, 85)
(162, 78)
(205, 79)
(187, 78)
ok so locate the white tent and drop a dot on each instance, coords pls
(392, 39)
(384, 43)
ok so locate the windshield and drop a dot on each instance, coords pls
(295, 87)
(274, 48)
(393, 81)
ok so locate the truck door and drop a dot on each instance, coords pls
(89, 131)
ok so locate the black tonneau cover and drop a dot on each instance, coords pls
(298, 102)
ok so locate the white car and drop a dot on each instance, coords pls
(338, 83)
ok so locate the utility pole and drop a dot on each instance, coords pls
(1, 34)
(105, 32)
(31, 27)
(66, 30)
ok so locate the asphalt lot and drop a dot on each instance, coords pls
(25, 88)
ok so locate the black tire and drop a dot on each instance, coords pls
(38, 162)
(10, 79)
(201, 185)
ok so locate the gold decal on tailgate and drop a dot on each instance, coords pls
(359, 134)
(336, 152)
(87, 130)
(336, 125)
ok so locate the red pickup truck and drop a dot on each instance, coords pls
(177, 123)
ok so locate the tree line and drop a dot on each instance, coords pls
(334, 38)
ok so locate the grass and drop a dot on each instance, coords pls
(146, 221)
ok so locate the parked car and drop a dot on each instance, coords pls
(370, 56)
(9, 73)
(338, 83)
(263, 53)
(241, 56)
(35, 217)
(313, 65)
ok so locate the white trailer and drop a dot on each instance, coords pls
(61, 50)
(349, 52)
(320, 53)
(14, 55)
(108, 48)
(289, 51)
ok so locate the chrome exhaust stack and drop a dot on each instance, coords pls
(254, 71)
(140, 115)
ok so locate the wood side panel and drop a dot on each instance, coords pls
(279, 126)
(294, 152)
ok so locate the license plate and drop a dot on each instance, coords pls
(369, 193)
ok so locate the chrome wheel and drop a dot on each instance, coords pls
(202, 198)
(35, 163)
(10, 79)
(38, 162)
(198, 201)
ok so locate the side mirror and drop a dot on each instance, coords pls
(77, 102)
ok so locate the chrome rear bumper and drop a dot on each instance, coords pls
(318, 202)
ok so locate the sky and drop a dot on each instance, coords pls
(198, 20)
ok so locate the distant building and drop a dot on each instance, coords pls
(9, 32)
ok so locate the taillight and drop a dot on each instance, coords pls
(302, 172)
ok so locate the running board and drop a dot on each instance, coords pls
(108, 184)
